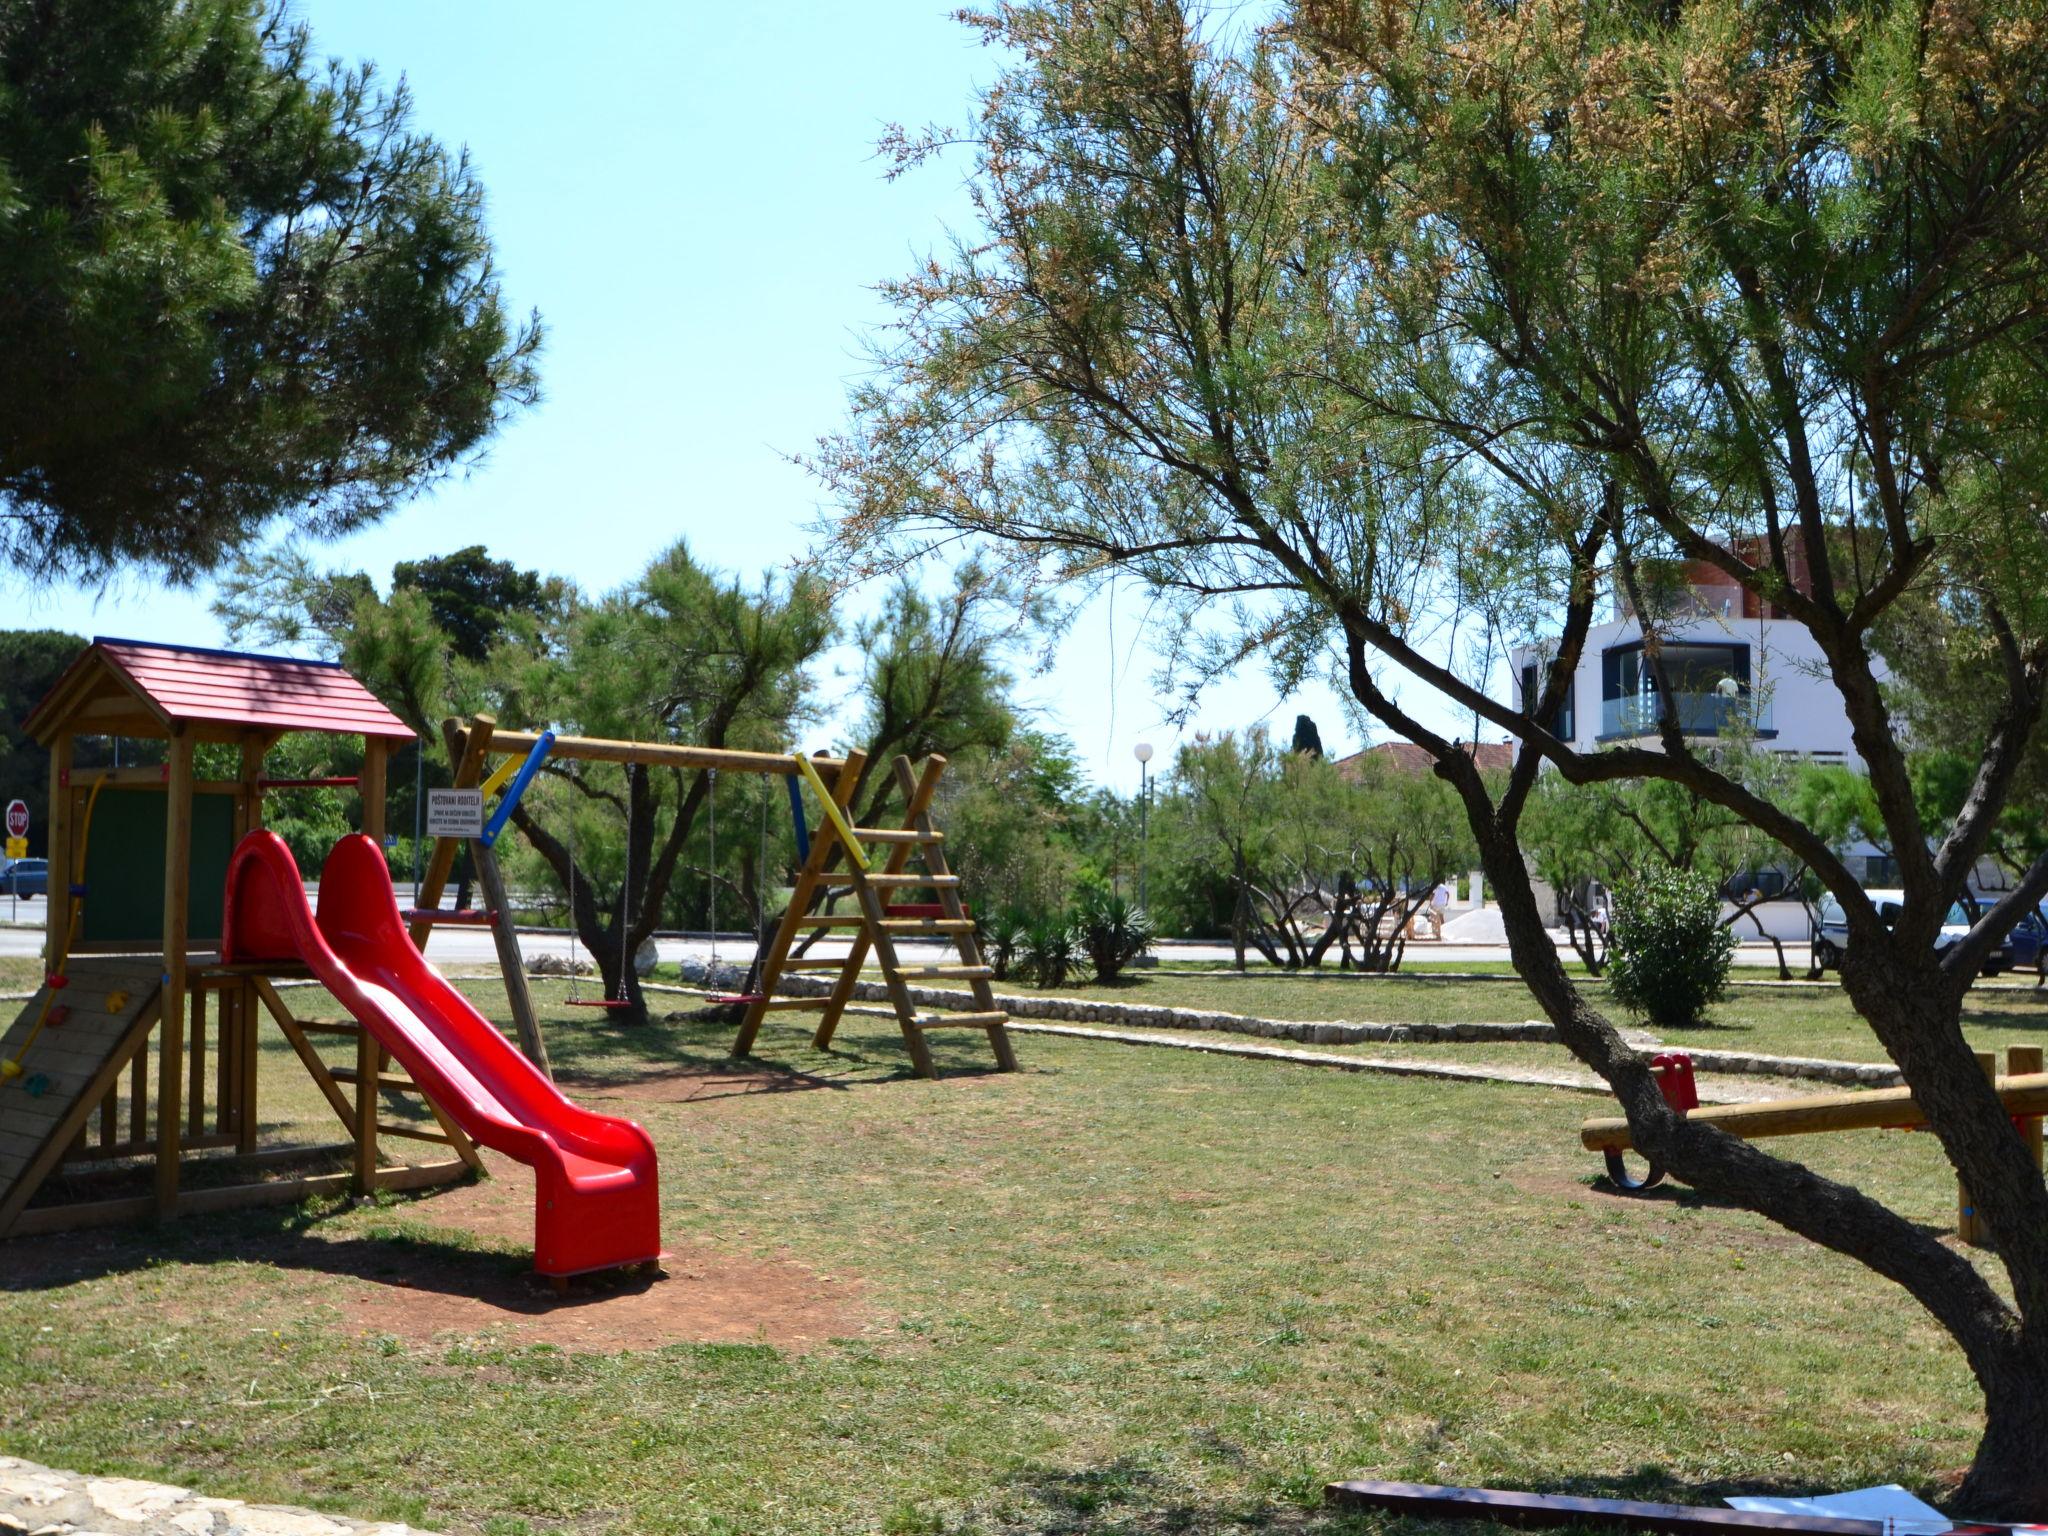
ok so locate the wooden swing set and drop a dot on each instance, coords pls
(873, 864)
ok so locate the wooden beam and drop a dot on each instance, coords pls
(1543, 1511)
(177, 932)
(370, 786)
(518, 996)
(231, 1197)
(367, 1064)
(1811, 1114)
(598, 749)
(57, 904)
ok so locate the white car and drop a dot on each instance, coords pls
(1831, 938)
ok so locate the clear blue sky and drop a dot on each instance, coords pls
(688, 194)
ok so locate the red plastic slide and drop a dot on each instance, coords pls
(595, 1203)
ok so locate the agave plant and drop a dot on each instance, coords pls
(1049, 949)
(1113, 931)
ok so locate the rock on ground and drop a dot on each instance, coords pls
(42, 1501)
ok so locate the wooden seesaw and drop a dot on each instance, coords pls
(2023, 1090)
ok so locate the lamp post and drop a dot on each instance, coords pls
(1143, 753)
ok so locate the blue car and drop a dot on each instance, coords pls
(2029, 940)
(25, 877)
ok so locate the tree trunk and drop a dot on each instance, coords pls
(1901, 999)
(2008, 1478)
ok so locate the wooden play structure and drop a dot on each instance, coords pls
(873, 864)
(2023, 1090)
(142, 1044)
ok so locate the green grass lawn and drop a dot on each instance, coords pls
(1121, 1291)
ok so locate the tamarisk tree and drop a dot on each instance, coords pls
(1390, 314)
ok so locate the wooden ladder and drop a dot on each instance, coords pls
(876, 926)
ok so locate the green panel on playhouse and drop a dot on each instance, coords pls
(124, 873)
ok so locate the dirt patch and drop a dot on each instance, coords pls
(691, 1085)
(422, 1287)
(708, 1297)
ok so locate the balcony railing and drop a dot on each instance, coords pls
(1699, 714)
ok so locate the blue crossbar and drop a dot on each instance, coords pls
(517, 788)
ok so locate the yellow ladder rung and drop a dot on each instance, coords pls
(897, 835)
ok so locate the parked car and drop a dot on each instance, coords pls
(1831, 938)
(25, 877)
(2029, 940)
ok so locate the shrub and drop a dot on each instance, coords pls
(1047, 954)
(1114, 932)
(1670, 954)
(1003, 937)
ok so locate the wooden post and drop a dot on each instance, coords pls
(2021, 1061)
(518, 996)
(1970, 1227)
(367, 1056)
(246, 1045)
(370, 784)
(195, 1056)
(57, 904)
(170, 1078)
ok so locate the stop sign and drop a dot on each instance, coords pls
(17, 818)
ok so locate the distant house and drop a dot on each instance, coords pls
(1735, 665)
(1492, 756)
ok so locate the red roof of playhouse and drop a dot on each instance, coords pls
(116, 684)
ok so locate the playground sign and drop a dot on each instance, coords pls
(455, 813)
(17, 818)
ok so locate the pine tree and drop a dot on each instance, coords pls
(235, 284)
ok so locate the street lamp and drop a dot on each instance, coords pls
(1143, 753)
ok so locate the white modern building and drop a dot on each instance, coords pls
(1736, 667)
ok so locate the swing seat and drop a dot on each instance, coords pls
(736, 997)
(597, 1002)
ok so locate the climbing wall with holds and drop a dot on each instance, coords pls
(97, 1022)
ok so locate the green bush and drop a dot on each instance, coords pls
(1003, 936)
(1048, 951)
(1112, 931)
(1670, 954)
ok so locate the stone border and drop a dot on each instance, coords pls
(1081, 1010)
(1584, 1082)
(43, 1501)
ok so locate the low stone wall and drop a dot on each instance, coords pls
(1083, 1010)
(42, 1501)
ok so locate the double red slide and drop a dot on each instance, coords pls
(595, 1201)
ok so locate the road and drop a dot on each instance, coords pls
(467, 947)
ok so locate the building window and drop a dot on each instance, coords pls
(1561, 721)
(1710, 686)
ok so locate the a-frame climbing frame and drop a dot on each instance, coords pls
(880, 921)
